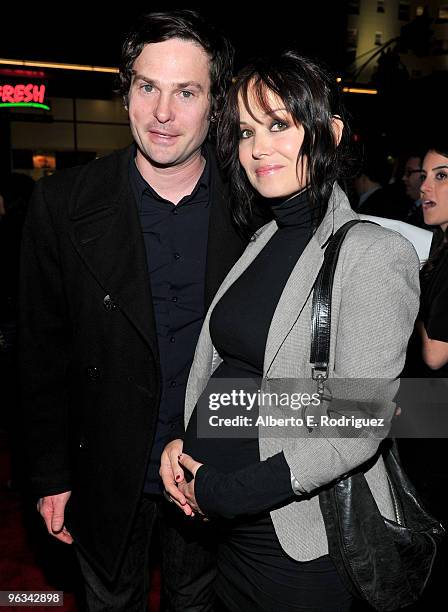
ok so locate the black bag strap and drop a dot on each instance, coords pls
(321, 306)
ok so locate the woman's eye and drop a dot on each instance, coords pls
(245, 134)
(440, 176)
(278, 126)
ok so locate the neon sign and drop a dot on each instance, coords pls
(23, 95)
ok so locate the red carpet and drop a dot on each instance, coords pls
(30, 560)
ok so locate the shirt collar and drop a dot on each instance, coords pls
(140, 186)
(363, 197)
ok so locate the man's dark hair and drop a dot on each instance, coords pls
(375, 166)
(186, 25)
(312, 98)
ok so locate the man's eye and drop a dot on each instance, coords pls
(147, 88)
(245, 134)
(186, 94)
(279, 126)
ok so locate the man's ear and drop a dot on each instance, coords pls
(338, 127)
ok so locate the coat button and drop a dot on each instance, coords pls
(109, 304)
(93, 372)
(83, 444)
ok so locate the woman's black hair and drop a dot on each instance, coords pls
(311, 96)
(440, 240)
(187, 25)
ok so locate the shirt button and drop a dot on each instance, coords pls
(175, 212)
(176, 255)
(173, 383)
(93, 372)
(174, 298)
(172, 339)
(109, 304)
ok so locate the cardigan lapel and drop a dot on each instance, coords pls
(106, 233)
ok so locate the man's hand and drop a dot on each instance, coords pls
(52, 509)
(172, 474)
(187, 488)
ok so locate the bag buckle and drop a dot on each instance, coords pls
(319, 373)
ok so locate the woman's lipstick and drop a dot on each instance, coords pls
(267, 170)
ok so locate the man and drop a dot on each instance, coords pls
(121, 258)
(412, 181)
(375, 195)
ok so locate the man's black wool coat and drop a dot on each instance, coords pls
(89, 366)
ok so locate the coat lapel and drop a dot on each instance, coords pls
(106, 233)
(301, 281)
(224, 245)
(292, 300)
(203, 359)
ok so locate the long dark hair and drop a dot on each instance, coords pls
(186, 25)
(312, 98)
(439, 244)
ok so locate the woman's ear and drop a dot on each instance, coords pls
(338, 127)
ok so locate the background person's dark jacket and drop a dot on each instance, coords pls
(90, 376)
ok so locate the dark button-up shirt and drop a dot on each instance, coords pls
(176, 243)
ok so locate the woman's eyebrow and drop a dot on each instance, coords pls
(268, 114)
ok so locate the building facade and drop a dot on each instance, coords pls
(372, 24)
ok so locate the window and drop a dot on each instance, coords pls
(380, 6)
(403, 11)
(442, 14)
(353, 7)
(378, 38)
(441, 47)
(352, 39)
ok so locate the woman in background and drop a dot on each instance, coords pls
(432, 324)
(428, 349)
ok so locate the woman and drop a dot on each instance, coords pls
(432, 324)
(278, 139)
(428, 349)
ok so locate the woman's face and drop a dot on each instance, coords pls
(434, 189)
(269, 147)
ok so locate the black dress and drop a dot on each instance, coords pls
(425, 459)
(254, 571)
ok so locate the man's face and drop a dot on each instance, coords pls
(169, 101)
(412, 177)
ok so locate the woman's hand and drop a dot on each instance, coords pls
(172, 475)
(187, 488)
